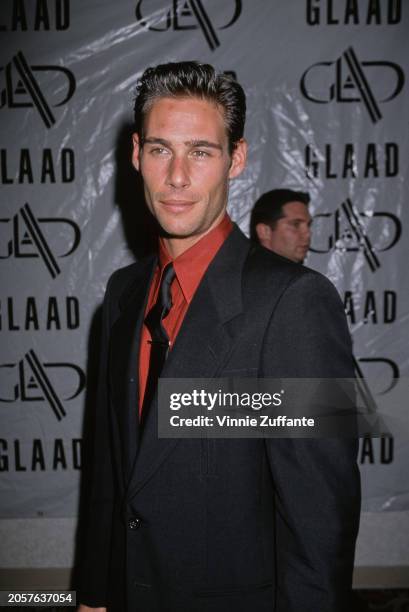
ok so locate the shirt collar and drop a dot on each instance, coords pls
(191, 265)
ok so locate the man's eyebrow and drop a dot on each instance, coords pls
(299, 219)
(154, 140)
(189, 143)
(204, 143)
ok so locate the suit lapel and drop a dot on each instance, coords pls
(203, 344)
(125, 341)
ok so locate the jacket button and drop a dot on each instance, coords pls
(134, 523)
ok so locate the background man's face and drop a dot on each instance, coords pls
(291, 234)
(186, 166)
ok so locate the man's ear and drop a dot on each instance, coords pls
(263, 232)
(238, 158)
(136, 151)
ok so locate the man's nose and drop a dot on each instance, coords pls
(178, 173)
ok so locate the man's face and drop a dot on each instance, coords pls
(291, 235)
(186, 166)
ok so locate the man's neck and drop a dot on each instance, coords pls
(177, 246)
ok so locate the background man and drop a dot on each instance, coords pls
(212, 525)
(280, 221)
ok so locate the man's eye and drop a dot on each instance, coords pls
(158, 151)
(200, 154)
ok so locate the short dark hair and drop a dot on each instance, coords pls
(269, 207)
(192, 79)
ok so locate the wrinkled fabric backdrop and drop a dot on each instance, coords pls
(327, 113)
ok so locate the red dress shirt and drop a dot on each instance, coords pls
(189, 267)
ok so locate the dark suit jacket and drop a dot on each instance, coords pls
(222, 525)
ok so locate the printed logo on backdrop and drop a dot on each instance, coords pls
(370, 306)
(182, 15)
(381, 371)
(30, 86)
(35, 15)
(352, 12)
(349, 231)
(45, 238)
(348, 80)
(375, 377)
(352, 160)
(41, 166)
(30, 380)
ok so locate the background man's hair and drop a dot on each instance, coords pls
(269, 207)
(192, 79)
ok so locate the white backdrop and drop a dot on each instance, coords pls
(327, 113)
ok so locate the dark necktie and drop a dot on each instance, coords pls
(159, 337)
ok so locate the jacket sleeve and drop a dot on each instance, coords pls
(317, 484)
(99, 502)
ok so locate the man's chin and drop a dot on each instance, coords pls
(176, 225)
(296, 258)
(301, 255)
(178, 228)
(176, 232)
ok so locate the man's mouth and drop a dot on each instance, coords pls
(177, 205)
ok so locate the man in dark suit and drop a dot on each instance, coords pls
(212, 525)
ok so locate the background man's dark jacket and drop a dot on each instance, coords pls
(222, 525)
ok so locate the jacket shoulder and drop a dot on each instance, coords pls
(123, 278)
(267, 272)
(271, 267)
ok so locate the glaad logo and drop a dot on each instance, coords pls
(21, 88)
(384, 375)
(25, 238)
(28, 381)
(348, 230)
(189, 15)
(349, 80)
